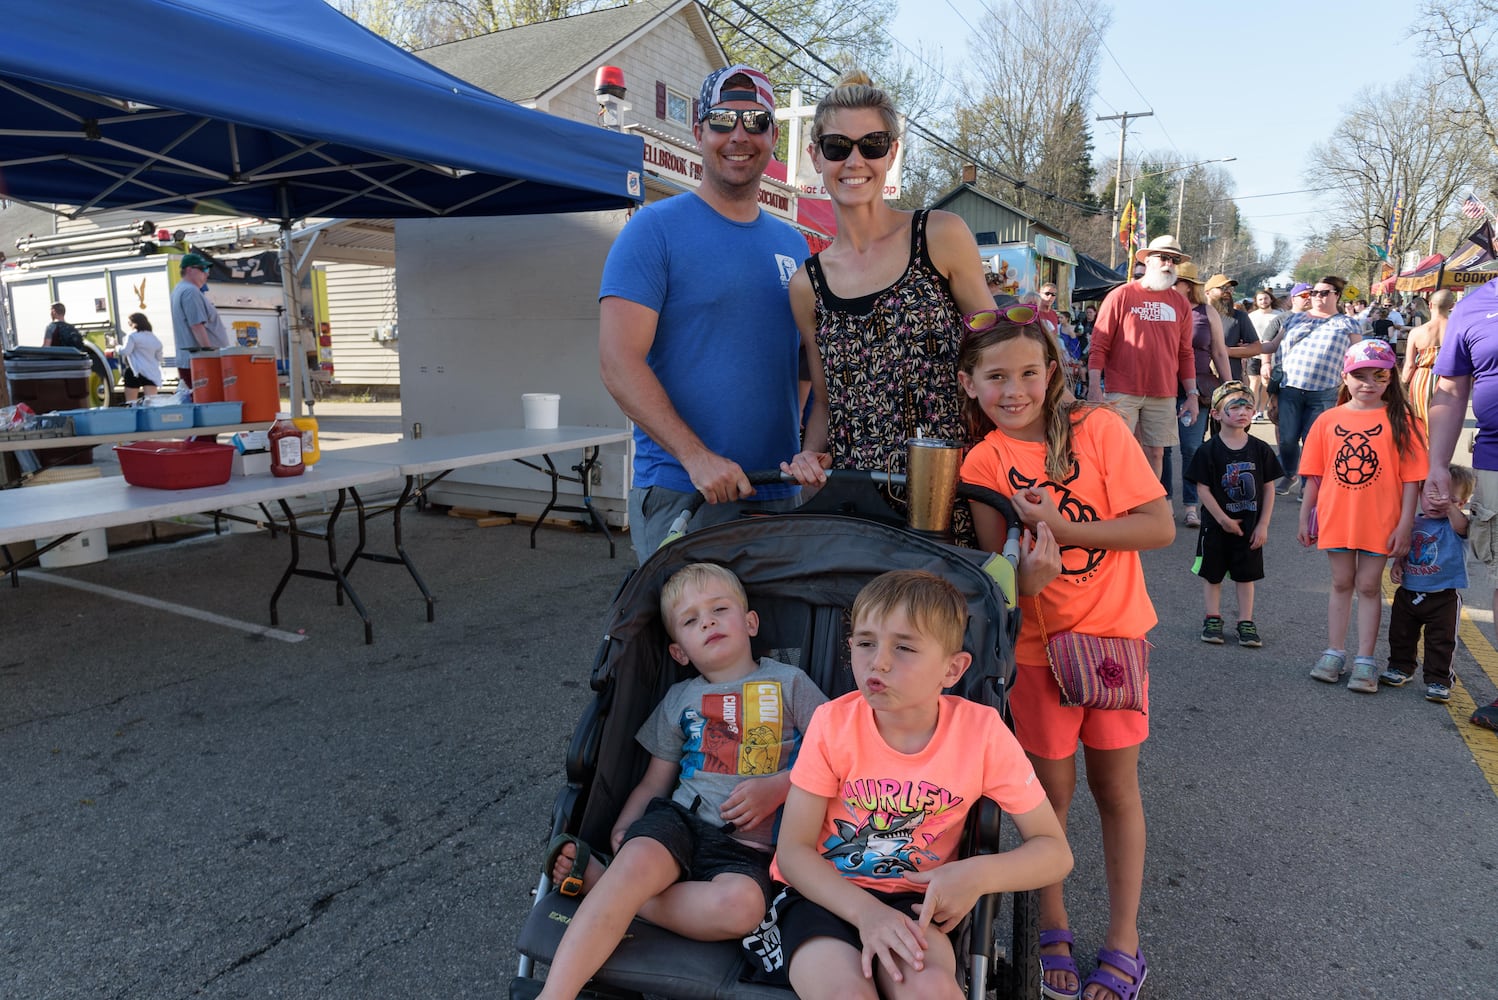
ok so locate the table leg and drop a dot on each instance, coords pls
(584, 470)
(333, 572)
(401, 557)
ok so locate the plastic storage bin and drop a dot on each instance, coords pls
(175, 465)
(48, 379)
(216, 414)
(164, 418)
(115, 420)
(250, 378)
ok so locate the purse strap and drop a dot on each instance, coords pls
(1045, 641)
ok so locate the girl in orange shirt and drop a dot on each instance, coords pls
(1079, 480)
(1364, 460)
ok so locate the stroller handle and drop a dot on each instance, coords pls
(965, 491)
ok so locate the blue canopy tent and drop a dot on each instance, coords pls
(281, 110)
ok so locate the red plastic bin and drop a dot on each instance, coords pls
(175, 465)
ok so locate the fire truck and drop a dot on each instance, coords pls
(103, 276)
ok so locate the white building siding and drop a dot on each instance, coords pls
(361, 302)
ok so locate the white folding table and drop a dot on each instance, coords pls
(416, 458)
(64, 509)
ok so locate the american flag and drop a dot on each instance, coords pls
(1472, 208)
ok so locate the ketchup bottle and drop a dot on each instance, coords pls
(285, 447)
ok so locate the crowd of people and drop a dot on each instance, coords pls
(897, 333)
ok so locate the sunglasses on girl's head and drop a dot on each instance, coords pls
(837, 148)
(755, 122)
(987, 319)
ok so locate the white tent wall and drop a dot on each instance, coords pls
(494, 308)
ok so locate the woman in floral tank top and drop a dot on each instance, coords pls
(886, 299)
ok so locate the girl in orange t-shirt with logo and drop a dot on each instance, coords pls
(1080, 481)
(1364, 461)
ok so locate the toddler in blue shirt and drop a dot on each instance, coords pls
(1430, 580)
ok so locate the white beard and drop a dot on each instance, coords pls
(1155, 278)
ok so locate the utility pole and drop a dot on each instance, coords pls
(1123, 131)
(1180, 210)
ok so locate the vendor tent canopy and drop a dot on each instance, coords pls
(281, 110)
(1094, 279)
(1471, 263)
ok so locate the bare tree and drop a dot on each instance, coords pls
(1461, 33)
(1035, 63)
(1395, 142)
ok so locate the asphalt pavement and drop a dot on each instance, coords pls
(190, 809)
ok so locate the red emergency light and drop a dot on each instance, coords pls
(609, 81)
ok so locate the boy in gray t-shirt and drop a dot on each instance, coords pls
(694, 839)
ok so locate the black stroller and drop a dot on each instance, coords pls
(801, 571)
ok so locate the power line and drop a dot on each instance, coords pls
(925, 133)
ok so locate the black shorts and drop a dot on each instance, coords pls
(1219, 554)
(701, 850)
(134, 381)
(1253, 366)
(793, 920)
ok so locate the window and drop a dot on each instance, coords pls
(679, 109)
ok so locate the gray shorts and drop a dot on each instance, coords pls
(652, 509)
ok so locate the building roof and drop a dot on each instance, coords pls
(524, 64)
(963, 190)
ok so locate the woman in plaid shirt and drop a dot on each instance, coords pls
(1309, 351)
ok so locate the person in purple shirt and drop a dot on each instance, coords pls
(1467, 369)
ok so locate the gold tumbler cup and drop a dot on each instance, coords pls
(931, 466)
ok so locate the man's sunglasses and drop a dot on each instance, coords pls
(755, 122)
(986, 319)
(1168, 258)
(1319, 292)
(874, 146)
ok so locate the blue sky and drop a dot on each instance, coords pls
(1222, 84)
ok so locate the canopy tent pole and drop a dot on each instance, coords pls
(296, 357)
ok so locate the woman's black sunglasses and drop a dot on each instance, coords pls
(874, 146)
(724, 119)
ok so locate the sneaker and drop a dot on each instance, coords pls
(1329, 668)
(1394, 678)
(1248, 635)
(1364, 675)
(1212, 630)
(1438, 693)
(1285, 488)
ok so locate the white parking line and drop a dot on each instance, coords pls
(167, 606)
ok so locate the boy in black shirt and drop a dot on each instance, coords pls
(1235, 473)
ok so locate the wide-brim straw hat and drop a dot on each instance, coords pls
(1162, 244)
(1188, 271)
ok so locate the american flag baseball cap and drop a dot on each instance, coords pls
(713, 93)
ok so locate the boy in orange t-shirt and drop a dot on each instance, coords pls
(879, 796)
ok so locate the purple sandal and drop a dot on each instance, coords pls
(1133, 966)
(1058, 963)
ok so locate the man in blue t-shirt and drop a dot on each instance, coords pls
(697, 343)
(1468, 370)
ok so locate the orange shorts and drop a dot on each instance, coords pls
(1050, 730)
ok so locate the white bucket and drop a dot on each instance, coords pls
(541, 409)
(86, 547)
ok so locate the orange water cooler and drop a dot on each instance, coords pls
(207, 376)
(250, 378)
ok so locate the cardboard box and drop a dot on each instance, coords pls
(252, 463)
